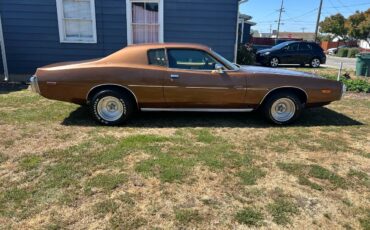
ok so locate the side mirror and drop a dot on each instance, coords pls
(219, 68)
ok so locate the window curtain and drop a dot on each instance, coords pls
(145, 23)
(77, 19)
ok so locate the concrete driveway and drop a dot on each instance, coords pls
(334, 62)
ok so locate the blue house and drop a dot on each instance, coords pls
(40, 32)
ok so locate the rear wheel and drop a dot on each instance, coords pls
(315, 63)
(274, 62)
(110, 107)
(282, 108)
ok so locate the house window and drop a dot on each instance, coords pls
(76, 20)
(144, 21)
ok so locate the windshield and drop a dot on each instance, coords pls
(230, 65)
(281, 45)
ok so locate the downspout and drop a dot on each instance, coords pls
(237, 31)
(3, 54)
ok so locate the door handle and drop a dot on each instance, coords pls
(174, 76)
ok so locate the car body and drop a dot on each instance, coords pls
(292, 52)
(177, 77)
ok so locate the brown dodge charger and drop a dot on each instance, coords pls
(181, 77)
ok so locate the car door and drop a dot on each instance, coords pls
(305, 52)
(192, 82)
(289, 54)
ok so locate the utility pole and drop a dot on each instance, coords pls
(318, 21)
(279, 22)
(303, 29)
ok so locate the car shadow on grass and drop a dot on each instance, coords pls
(310, 118)
(6, 87)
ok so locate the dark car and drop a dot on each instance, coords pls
(292, 52)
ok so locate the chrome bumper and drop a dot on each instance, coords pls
(34, 85)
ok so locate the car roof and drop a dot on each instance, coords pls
(138, 54)
(170, 45)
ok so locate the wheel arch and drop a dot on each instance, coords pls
(117, 87)
(302, 94)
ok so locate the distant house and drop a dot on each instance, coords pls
(296, 35)
(244, 27)
(40, 32)
(363, 44)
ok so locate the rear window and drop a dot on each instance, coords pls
(305, 46)
(316, 47)
(157, 57)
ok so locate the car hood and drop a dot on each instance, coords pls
(275, 71)
(264, 51)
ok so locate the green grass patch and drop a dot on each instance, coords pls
(304, 172)
(106, 182)
(251, 175)
(104, 207)
(365, 221)
(305, 181)
(281, 210)
(360, 176)
(30, 162)
(250, 217)
(3, 158)
(166, 167)
(186, 216)
(61, 175)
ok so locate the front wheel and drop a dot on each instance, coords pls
(110, 107)
(274, 62)
(315, 63)
(282, 108)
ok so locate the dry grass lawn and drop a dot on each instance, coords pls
(59, 169)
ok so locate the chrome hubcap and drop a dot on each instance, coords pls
(274, 62)
(110, 108)
(283, 110)
(315, 62)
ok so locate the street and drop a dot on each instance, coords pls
(334, 62)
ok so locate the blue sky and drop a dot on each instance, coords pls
(299, 15)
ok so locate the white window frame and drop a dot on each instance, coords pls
(61, 25)
(129, 18)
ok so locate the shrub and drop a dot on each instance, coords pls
(246, 55)
(343, 52)
(353, 52)
(356, 85)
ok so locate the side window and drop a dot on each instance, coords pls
(305, 47)
(292, 47)
(157, 57)
(190, 59)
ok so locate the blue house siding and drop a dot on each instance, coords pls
(201, 21)
(32, 37)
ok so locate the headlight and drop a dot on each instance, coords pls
(267, 53)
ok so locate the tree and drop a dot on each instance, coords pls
(358, 25)
(335, 25)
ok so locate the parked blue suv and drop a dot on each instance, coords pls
(293, 52)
